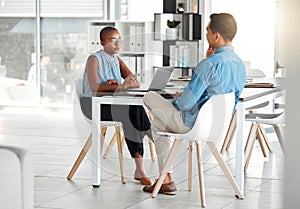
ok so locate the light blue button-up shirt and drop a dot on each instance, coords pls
(221, 73)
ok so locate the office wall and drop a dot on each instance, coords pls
(290, 47)
(255, 39)
(143, 10)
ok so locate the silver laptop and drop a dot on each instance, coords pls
(159, 81)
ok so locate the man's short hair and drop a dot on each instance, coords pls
(224, 24)
(105, 31)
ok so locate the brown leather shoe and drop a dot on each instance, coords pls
(144, 181)
(168, 188)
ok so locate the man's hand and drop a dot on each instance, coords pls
(177, 94)
(210, 51)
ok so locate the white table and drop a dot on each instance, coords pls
(249, 97)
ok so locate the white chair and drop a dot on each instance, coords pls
(232, 128)
(211, 123)
(257, 130)
(276, 120)
(16, 178)
(104, 125)
(250, 74)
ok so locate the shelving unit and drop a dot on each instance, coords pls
(139, 50)
(182, 52)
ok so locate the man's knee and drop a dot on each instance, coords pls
(148, 97)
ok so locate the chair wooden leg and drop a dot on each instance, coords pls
(279, 133)
(123, 141)
(79, 159)
(264, 134)
(119, 142)
(250, 144)
(231, 138)
(110, 145)
(190, 166)
(260, 141)
(225, 169)
(102, 137)
(200, 175)
(229, 134)
(151, 149)
(172, 153)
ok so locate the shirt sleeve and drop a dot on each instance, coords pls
(196, 87)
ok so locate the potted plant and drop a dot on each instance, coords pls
(172, 32)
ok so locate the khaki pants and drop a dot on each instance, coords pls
(164, 117)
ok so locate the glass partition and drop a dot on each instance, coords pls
(63, 43)
(17, 45)
(62, 46)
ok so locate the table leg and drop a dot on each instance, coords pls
(239, 163)
(96, 131)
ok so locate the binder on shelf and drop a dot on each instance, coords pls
(135, 64)
(132, 64)
(180, 56)
(194, 6)
(136, 38)
(132, 40)
(173, 55)
(139, 66)
(126, 61)
(139, 38)
(185, 56)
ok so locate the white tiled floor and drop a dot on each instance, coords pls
(55, 137)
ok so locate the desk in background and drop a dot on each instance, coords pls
(249, 98)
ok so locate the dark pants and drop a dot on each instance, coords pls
(134, 119)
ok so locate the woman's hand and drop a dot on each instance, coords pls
(111, 81)
(131, 81)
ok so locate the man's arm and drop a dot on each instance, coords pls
(195, 89)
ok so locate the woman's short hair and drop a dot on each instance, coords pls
(105, 31)
(224, 24)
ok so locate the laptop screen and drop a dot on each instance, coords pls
(161, 77)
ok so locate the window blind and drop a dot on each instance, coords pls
(53, 8)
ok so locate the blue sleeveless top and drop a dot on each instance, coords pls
(109, 68)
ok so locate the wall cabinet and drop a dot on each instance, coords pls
(139, 49)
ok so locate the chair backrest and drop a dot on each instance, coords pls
(76, 103)
(16, 178)
(78, 87)
(213, 118)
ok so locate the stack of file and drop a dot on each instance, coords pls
(179, 56)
